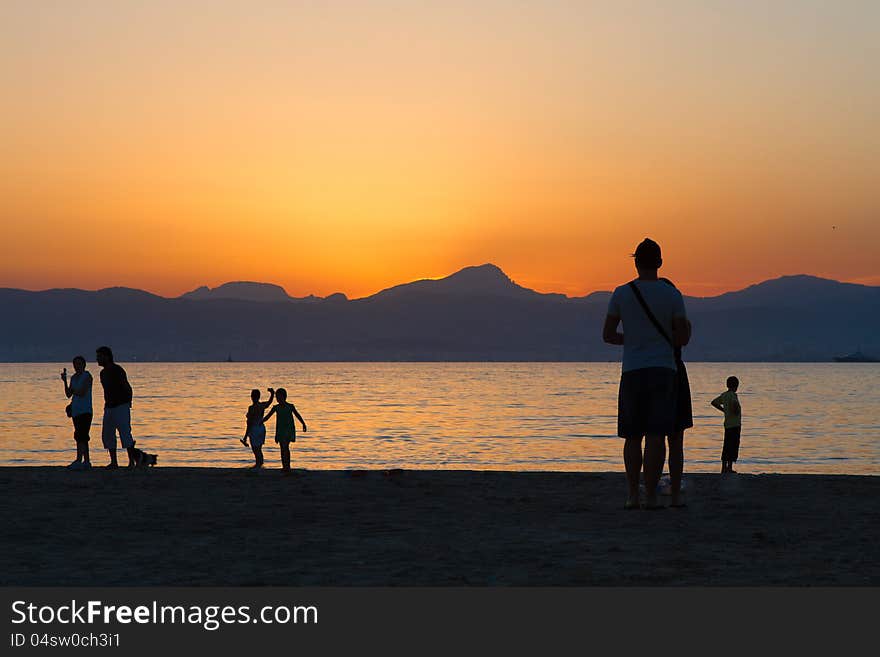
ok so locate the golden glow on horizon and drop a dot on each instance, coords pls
(353, 146)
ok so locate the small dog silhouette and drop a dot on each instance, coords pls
(142, 459)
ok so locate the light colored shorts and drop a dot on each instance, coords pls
(116, 419)
(257, 435)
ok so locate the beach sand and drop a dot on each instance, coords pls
(189, 526)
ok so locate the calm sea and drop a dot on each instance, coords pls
(810, 418)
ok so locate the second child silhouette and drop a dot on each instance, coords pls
(255, 429)
(285, 428)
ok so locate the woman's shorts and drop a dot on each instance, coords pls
(684, 412)
(646, 402)
(82, 424)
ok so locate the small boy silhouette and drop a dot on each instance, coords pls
(728, 403)
(285, 428)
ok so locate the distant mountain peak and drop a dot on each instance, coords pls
(121, 292)
(253, 291)
(487, 275)
(808, 282)
(239, 290)
(797, 279)
(793, 290)
(487, 268)
(478, 280)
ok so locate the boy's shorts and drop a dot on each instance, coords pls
(730, 451)
(116, 419)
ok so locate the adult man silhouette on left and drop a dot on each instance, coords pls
(117, 407)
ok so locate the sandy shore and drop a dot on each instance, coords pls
(176, 526)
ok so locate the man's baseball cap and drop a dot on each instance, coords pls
(647, 254)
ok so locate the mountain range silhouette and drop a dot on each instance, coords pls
(477, 313)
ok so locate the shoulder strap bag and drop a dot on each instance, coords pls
(647, 309)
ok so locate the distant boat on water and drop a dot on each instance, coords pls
(857, 357)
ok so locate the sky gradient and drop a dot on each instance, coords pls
(349, 146)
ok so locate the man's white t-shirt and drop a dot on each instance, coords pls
(643, 346)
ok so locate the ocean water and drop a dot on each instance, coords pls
(804, 418)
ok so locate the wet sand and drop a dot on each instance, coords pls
(185, 526)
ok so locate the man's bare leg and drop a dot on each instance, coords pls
(676, 465)
(655, 454)
(632, 460)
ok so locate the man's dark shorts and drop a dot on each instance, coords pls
(646, 402)
(730, 451)
(82, 423)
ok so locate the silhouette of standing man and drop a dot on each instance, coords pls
(117, 407)
(654, 323)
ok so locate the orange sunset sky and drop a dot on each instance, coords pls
(348, 146)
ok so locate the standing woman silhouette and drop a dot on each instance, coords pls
(684, 419)
(79, 392)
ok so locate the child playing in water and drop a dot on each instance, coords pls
(285, 428)
(728, 403)
(255, 427)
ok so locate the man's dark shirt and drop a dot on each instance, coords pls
(117, 391)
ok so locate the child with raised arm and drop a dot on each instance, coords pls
(728, 403)
(255, 427)
(285, 428)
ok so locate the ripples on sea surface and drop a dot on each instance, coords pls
(810, 418)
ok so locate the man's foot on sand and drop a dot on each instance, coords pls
(76, 465)
(111, 466)
(86, 465)
(256, 466)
